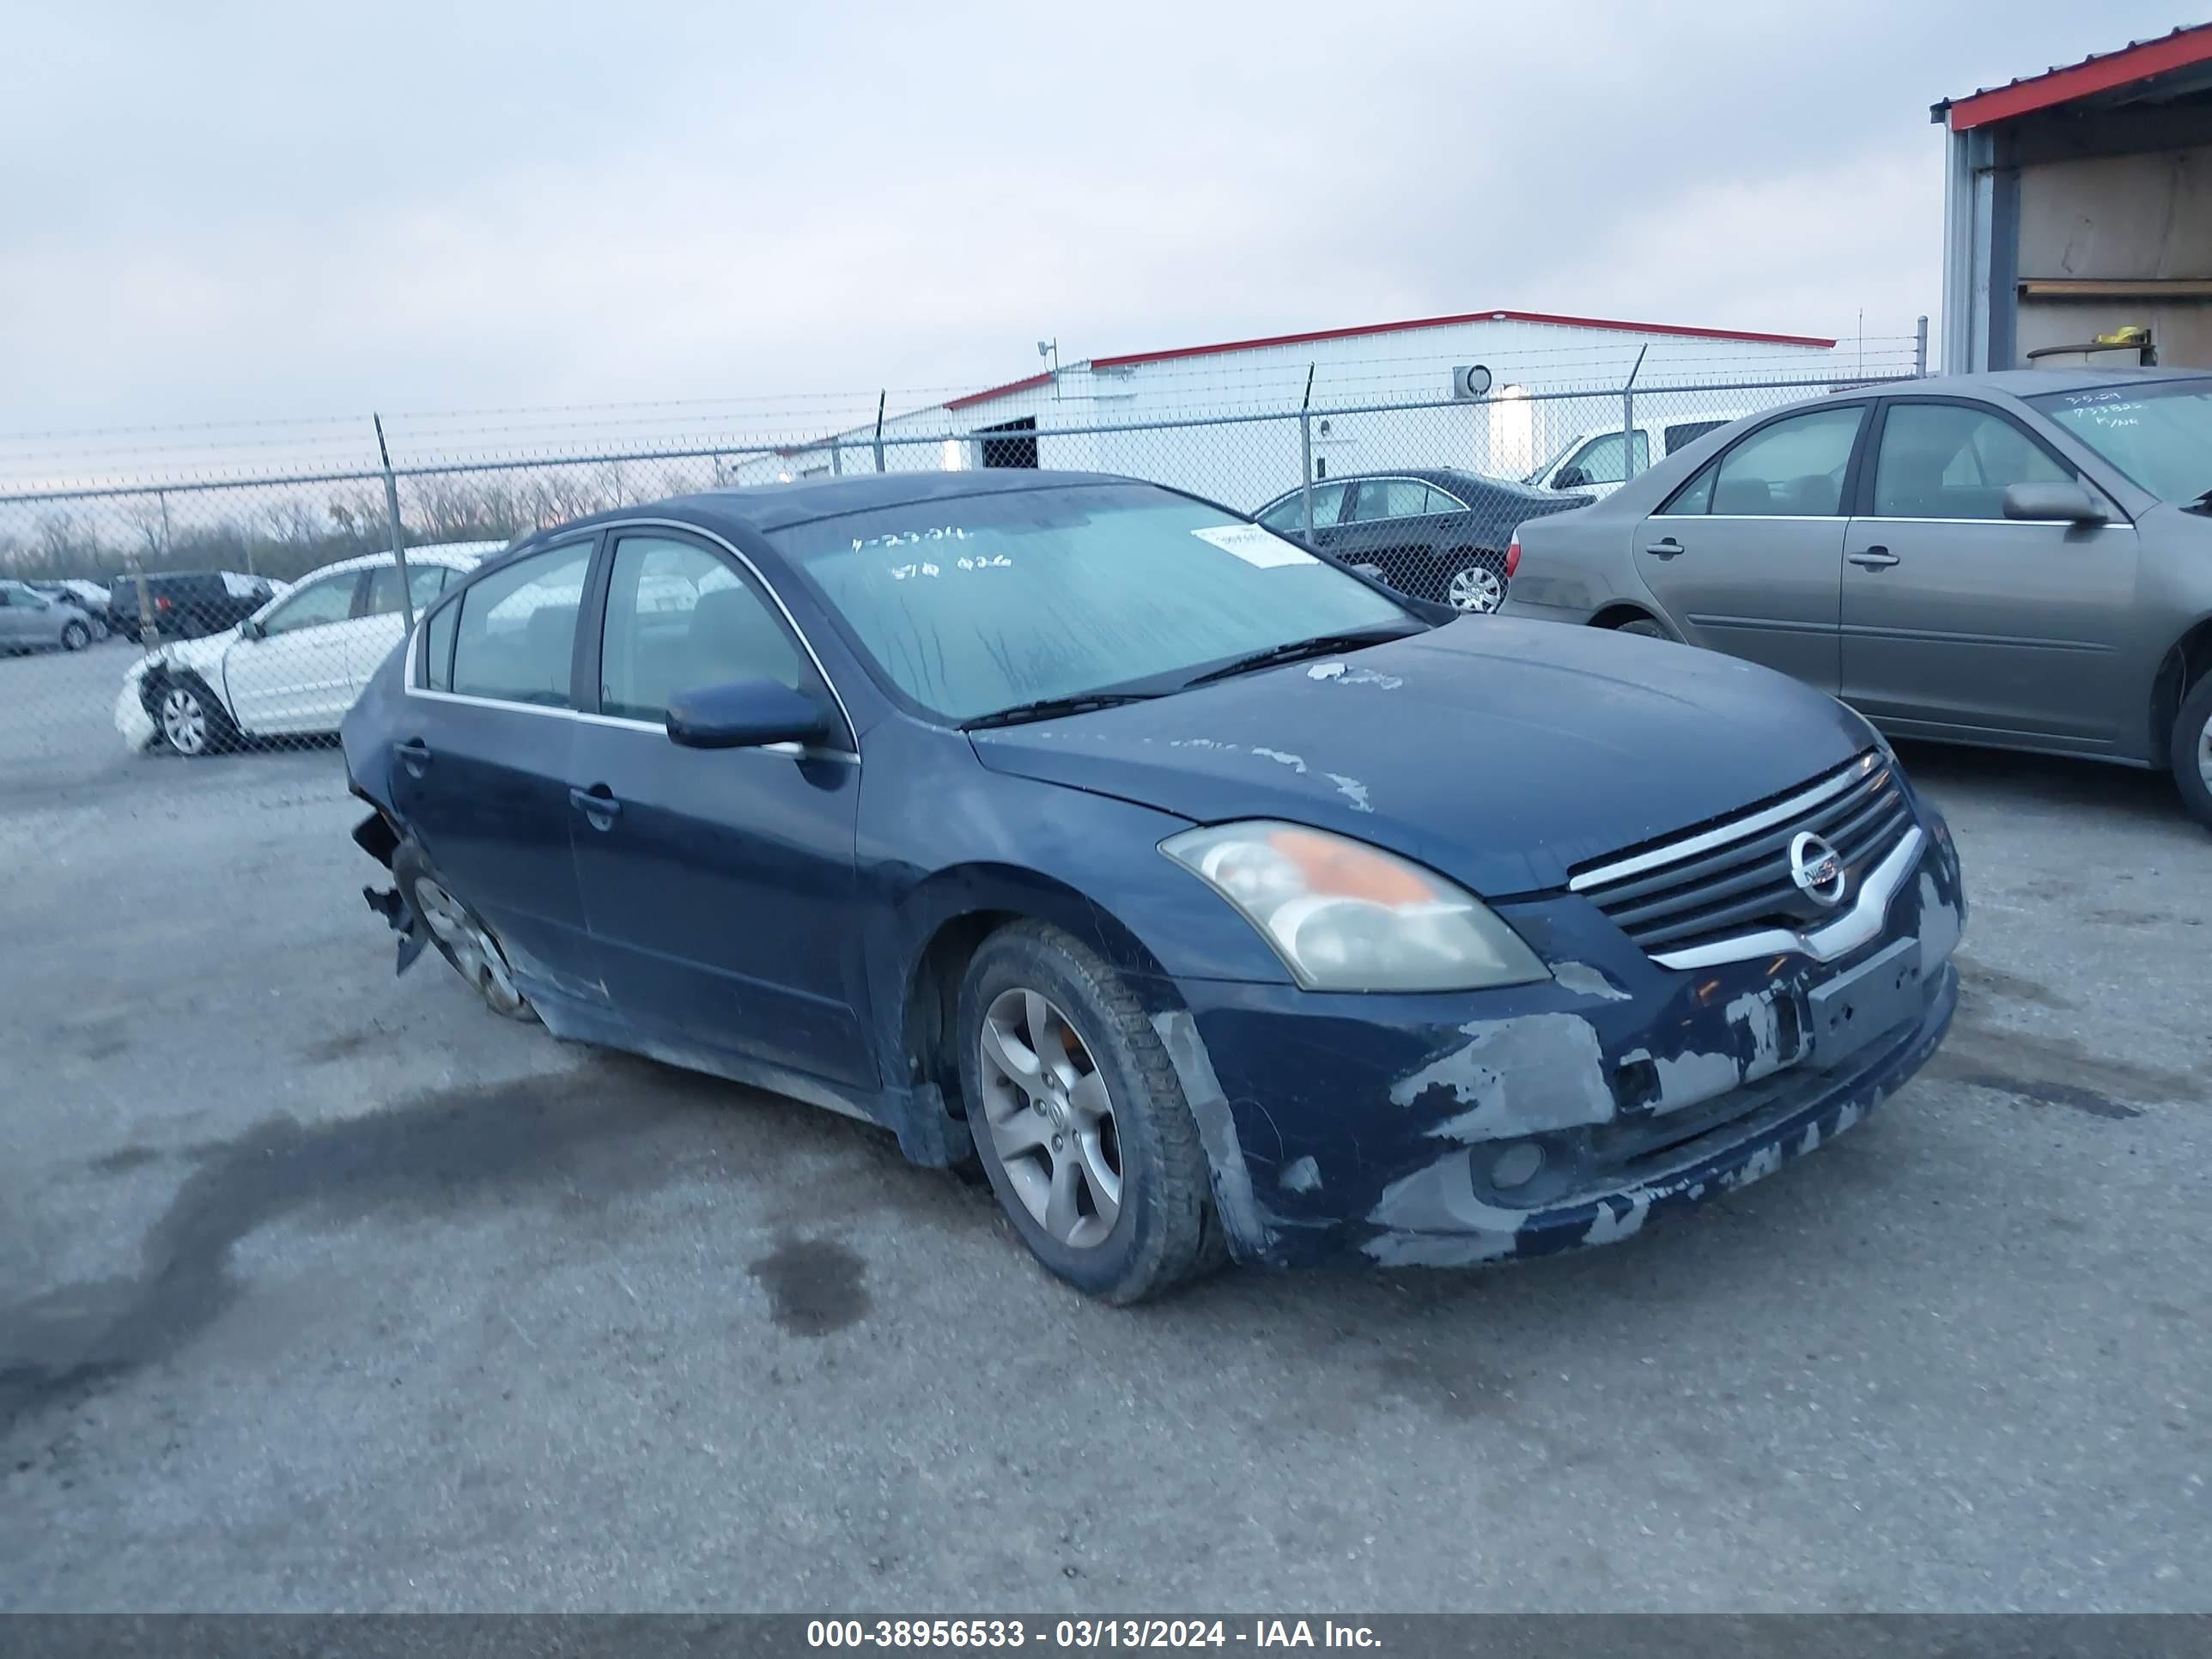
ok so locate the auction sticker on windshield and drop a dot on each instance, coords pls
(1255, 545)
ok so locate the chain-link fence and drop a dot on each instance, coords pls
(246, 611)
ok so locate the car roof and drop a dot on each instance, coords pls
(762, 509)
(2024, 382)
(462, 555)
(1444, 477)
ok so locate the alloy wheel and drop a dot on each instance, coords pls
(1050, 1118)
(184, 721)
(2204, 754)
(1476, 590)
(473, 951)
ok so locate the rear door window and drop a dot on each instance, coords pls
(1792, 469)
(515, 640)
(425, 583)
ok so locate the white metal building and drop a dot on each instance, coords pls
(1497, 391)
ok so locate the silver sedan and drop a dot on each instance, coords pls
(2020, 560)
(29, 620)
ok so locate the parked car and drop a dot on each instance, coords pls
(291, 668)
(1590, 463)
(2021, 560)
(30, 621)
(90, 597)
(188, 604)
(1435, 533)
(1211, 897)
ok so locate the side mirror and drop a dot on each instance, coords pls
(251, 629)
(2053, 503)
(745, 714)
(1570, 477)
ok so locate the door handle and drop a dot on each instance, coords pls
(1873, 558)
(1665, 548)
(415, 755)
(598, 804)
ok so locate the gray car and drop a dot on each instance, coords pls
(2021, 560)
(29, 620)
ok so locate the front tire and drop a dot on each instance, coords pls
(76, 636)
(1079, 1120)
(190, 720)
(2192, 754)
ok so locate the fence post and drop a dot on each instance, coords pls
(881, 396)
(837, 458)
(1628, 418)
(1305, 452)
(1920, 350)
(392, 516)
(149, 633)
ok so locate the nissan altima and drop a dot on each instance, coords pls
(1220, 905)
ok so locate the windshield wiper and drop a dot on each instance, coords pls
(1047, 708)
(1320, 646)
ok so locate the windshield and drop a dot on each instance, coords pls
(2159, 434)
(982, 602)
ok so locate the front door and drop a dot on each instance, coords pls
(1287, 518)
(1960, 622)
(719, 884)
(1747, 557)
(480, 775)
(19, 614)
(294, 676)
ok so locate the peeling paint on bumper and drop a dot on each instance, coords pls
(1450, 1130)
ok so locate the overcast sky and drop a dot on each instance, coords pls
(222, 211)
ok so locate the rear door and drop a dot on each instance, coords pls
(18, 614)
(718, 884)
(1747, 557)
(1957, 622)
(1386, 522)
(481, 773)
(293, 678)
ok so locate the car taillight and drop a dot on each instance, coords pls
(1512, 558)
(163, 604)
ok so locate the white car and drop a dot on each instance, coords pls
(1590, 463)
(294, 666)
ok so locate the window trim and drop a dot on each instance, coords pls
(1847, 497)
(1862, 502)
(591, 622)
(748, 577)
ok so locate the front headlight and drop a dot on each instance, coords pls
(1345, 916)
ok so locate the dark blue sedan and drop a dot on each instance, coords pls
(1220, 904)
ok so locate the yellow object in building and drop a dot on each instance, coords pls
(2125, 336)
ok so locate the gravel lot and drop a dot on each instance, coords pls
(320, 1289)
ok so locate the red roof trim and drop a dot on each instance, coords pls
(1447, 322)
(2178, 49)
(1010, 388)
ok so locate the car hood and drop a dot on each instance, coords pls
(1502, 753)
(203, 656)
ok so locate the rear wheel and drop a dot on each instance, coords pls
(2192, 751)
(1078, 1119)
(1476, 589)
(1643, 627)
(461, 936)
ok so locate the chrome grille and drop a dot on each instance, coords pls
(1732, 878)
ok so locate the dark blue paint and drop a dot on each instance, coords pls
(771, 917)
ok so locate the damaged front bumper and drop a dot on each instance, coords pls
(1450, 1130)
